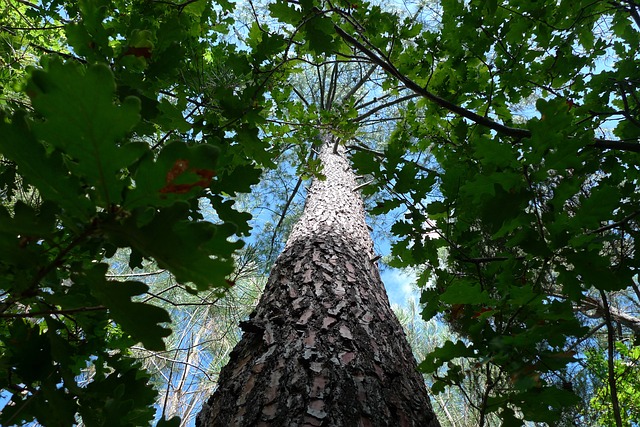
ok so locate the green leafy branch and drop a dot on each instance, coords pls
(516, 133)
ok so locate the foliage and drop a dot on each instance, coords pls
(119, 117)
(537, 211)
(204, 333)
(109, 160)
(456, 405)
(628, 383)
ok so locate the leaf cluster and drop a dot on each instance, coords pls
(132, 115)
(531, 131)
(514, 156)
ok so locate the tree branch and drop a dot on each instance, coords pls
(359, 84)
(606, 144)
(55, 52)
(617, 224)
(333, 87)
(632, 9)
(516, 133)
(361, 186)
(302, 98)
(50, 312)
(489, 259)
(321, 81)
(586, 336)
(610, 361)
(441, 102)
(385, 105)
(28, 3)
(619, 316)
(151, 273)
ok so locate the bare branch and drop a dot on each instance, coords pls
(333, 86)
(359, 84)
(619, 316)
(616, 224)
(385, 105)
(361, 186)
(52, 312)
(151, 273)
(302, 98)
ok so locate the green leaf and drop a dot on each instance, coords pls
(268, 46)
(179, 173)
(465, 292)
(320, 35)
(493, 153)
(171, 422)
(509, 419)
(142, 321)
(599, 206)
(28, 352)
(286, 13)
(237, 180)
(122, 398)
(365, 163)
(406, 177)
(82, 120)
(46, 172)
(385, 206)
(443, 354)
(29, 222)
(536, 403)
(171, 116)
(167, 230)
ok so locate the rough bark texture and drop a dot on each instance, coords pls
(323, 347)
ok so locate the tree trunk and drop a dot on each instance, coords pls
(323, 347)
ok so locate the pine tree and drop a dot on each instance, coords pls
(323, 346)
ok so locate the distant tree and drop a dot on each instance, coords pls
(205, 330)
(458, 405)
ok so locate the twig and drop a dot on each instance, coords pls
(383, 106)
(617, 224)
(50, 312)
(586, 336)
(55, 52)
(490, 259)
(610, 361)
(361, 186)
(410, 84)
(359, 84)
(152, 273)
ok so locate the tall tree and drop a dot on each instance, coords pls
(136, 111)
(323, 346)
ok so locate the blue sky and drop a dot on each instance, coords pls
(400, 285)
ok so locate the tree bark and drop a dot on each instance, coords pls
(323, 347)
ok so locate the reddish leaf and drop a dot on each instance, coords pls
(144, 52)
(180, 167)
(479, 312)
